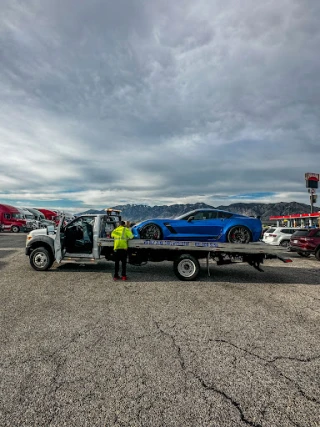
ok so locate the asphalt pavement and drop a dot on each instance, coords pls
(238, 348)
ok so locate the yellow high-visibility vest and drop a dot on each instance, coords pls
(121, 236)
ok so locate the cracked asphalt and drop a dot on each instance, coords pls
(238, 348)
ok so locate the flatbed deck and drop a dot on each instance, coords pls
(249, 248)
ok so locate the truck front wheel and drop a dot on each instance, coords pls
(186, 267)
(41, 259)
(15, 229)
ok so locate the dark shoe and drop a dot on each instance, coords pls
(116, 278)
(124, 277)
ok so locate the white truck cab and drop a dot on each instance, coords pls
(74, 241)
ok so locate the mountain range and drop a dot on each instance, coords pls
(136, 213)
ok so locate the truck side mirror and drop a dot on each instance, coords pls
(50, 229)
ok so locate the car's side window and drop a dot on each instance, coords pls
(222, 215)
(213, 215)
(286, 231)
(317, 234)
(188, 217)
(199, 216)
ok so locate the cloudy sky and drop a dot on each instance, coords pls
(109, 102)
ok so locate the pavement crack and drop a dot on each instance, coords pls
(175, 345)
(202, 382)
(297, 386)
(293, 358)
(296, 359)
(272, 362)
(228, 398)
(239, 348)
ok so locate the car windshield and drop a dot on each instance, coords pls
(300, 233)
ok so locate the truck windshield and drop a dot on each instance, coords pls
(18, 216)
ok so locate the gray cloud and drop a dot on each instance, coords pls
(159, 101)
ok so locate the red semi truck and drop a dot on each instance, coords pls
(13, 220)
(50, 215)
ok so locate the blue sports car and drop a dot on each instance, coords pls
(209, 225)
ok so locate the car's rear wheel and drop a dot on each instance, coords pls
(285, 243)
(15, 229)
(151, 232)
(186, 267)
(304, 254)
(239, 234)
(317, 254)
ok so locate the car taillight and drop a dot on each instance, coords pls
(272, 235)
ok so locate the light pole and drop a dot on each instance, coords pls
(312, 180)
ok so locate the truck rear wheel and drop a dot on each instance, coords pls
(186, 267)
(41, 259)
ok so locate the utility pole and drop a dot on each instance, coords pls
(311, 199)
(312, 180)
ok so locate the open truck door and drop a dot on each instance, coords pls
(57, 242)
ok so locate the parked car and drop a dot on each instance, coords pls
(202, 225)
(306, 242)
(278, 236)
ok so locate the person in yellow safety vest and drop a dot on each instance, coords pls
(121, 235)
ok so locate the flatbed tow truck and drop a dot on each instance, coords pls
(85, 240)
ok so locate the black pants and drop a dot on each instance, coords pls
(120, 255)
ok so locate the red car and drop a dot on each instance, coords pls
(306, 242)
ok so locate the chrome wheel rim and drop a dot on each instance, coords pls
(240, 235)
(151, 232)
(40, 260)
(186, 268)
